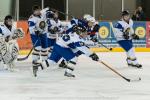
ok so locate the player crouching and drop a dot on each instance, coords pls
(8, 45)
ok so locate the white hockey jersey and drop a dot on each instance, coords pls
(4, 31)
(34, 22)
(73, 41)
(120, 27)
(51, 25)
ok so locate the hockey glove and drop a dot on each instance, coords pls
(126, 36)
(94, 57)
(75, 28)
(136, 37)
(96, 28)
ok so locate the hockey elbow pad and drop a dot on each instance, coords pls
(72, 45)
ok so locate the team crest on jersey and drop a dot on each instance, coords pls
(42, 25)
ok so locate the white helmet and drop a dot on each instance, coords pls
(86, 16)
(91, 19)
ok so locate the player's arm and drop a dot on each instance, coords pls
(74, 24)
(61, 29)
(81, 46)
(32, 26)
(120, 32)
(52, 28)
(134, 36)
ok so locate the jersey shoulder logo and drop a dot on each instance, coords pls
(66, 38)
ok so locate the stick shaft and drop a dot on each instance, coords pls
(21, 59)
(114, 71)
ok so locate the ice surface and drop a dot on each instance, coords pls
(93, 81)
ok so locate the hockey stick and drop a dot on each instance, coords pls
(21, 59)
(127, 79)
(105, 46)
(62, 12)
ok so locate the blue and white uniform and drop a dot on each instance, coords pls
(63, 49)
(52, 34)
(4, 31)
(38, 32)
(81, 49)
(119, 29)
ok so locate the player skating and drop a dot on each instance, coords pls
(54, 29)
(88, 25)
(38, 32)
(124, 34)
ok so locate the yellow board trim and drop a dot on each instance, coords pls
(120, 49)
(25, 52)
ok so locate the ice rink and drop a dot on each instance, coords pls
(93, 81)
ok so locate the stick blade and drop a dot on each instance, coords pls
(22, 59)
(133, 80)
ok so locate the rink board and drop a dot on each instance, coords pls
(25, 52)
(105, 36)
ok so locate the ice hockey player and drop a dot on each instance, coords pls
(54, 29)
(8, 45)
(88, 25)
(124, 34)
(38, 32)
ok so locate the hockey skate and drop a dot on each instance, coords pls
(132, 63)
(35, 68)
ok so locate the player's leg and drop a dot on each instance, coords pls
(52, 60)
(35, 53)
(70, 57)
(50, 43)
(5, 53)
(59, 52)
(127, 45)
(131, 59)
(44, 45)
(14, 51)
(63, 63)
